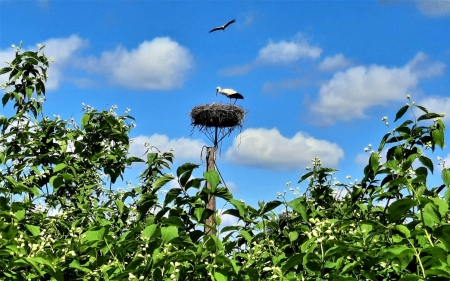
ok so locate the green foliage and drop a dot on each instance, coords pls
(60, 218)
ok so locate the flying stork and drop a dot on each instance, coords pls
(230, 93)
(222, 27)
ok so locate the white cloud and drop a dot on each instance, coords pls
(434, 8)
(237, 70)
(362, 159)
(278, 53)
(437, 105)
(288, 51)
(249, 18)
(232, 187)
(268, 149)
(63, 50)
(369, 86)
(160, 64)
(335, 62)
(273, 87)
(422, 67)
(184, 148)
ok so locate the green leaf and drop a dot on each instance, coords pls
(149, 231)
(212, 177)
(403, 230)
(56, 181)
(447, 194)
(220, 277)
(240, 206)
(399, 208)
(426, 162)
(383, 142)
(76, 264)
(438, 273)
(39, 260)
(403, 259)
(93, 235)
(293, 261)
(168, 233)
(422, 108)
(6, 98)
(35, 230)
(196, 183)
(306, 246)
(427, 116)
(59, 167)
(184, 172)
(151, 157)
(446, 177)
(298, 206)
(246, 235)
(293, 235)
(119, 205)
(217, 242)
(409, 161)
(410, 277)
(443, 234)
(198, 213)
(305, 176)
(401, 112)
(20, 214)
(29, 92)
(161, 181)
(223, 192)
(171, 195)
(5, 70)
(270, 206)
(374, 161)
(442, 206)
(85, 119)
(438, 137)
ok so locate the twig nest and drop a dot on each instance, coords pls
(217, 115)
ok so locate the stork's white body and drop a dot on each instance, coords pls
(229, 93)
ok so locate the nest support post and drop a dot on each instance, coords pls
(216, 121)
(211, 204)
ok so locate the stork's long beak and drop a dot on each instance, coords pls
(217, 92)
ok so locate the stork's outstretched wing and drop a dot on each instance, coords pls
(228, 23)
(215, 29)
(222, 27)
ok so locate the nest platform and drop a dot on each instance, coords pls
(217, 121)
(217, 115)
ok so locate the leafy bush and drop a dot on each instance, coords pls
(60, 219)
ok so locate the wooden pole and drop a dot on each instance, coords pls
(211, 204)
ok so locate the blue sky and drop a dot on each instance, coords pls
(317, 76)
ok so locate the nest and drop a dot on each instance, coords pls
(217, 120)
(217, 115)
